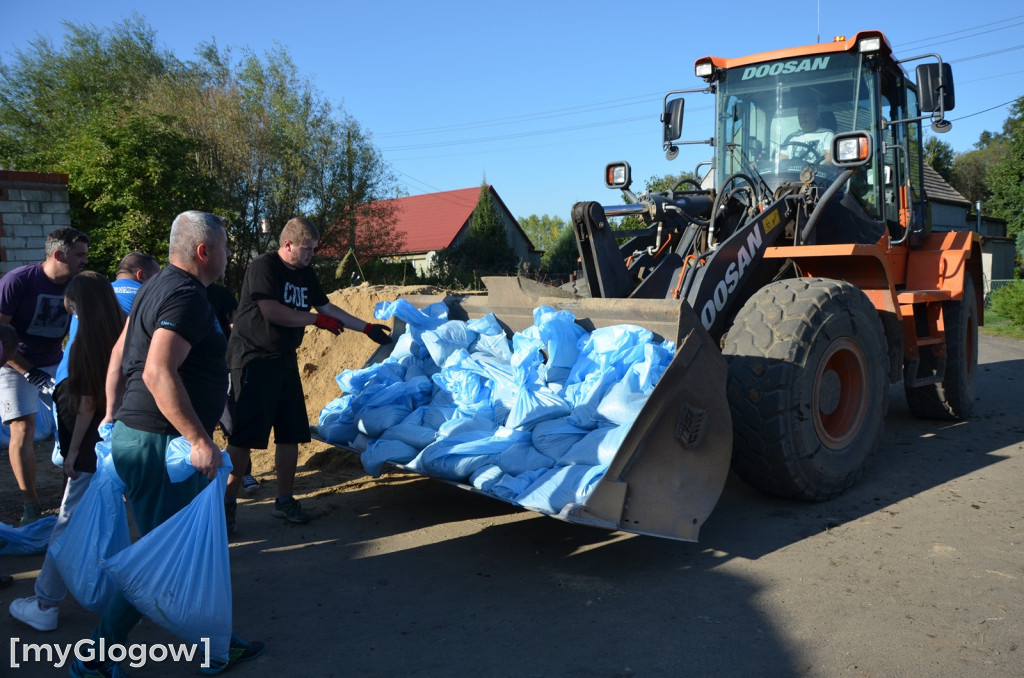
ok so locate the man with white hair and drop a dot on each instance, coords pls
(170, 358)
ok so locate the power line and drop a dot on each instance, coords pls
(526, 117)
(623, 102)
(965, 30)
(987, 54)
(971, 115)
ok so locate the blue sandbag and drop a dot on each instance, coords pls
(446, 339)
(554, 437)
(622, 402)
(520, 457)
(468, 388)
(98, 529)
(485, 477)
(534, 402)
(554, 489)
(597, 448)
(27, 540)
(429, 318)
(560, 334)
(337, 422)
(491, 338)
(454, 458)
(373, 421)
(190, 601)
(381, 452)
(508, 487)
(411, 430)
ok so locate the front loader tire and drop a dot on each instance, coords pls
(952, 398)
(807, 387)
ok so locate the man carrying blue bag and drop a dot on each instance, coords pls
(170, 360)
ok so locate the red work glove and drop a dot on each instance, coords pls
(379, 333)
(329, 323)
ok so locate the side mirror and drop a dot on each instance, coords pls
(672, 121)
(935, 88)
(851, 149)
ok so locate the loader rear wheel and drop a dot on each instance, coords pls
(953, 396)
(807, 387)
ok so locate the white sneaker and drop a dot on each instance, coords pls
(27, 610)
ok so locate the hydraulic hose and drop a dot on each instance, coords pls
(827, 196)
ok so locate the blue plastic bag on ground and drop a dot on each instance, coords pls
(98, 530)
(27, 540)
(188, 594)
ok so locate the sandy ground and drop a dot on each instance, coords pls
(917, 571)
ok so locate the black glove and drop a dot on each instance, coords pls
(41, 380)
(379, 333)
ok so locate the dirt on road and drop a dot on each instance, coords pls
(916, 571)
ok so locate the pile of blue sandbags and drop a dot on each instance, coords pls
(534, 421)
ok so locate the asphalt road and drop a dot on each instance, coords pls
(917, 571)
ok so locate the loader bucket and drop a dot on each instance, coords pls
(672, 464)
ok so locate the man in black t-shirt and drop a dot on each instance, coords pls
(278, 292)
(170, 361)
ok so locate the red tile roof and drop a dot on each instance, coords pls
(431, 221)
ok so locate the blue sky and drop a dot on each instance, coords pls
(538, 96)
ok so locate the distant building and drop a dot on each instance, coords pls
(947, 210)
(436, 221)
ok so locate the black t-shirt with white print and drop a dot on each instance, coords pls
(253, 337)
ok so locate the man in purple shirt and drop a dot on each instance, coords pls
(32, 302)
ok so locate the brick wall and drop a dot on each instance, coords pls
(32, 205)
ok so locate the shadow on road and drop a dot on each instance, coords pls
(432, 581)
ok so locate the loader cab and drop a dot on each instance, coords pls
(776, 114)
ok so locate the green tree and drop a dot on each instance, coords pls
(556, 238)
(940, 156)
(83, 109)
(144, 136)
(543, 231)
(1006, 177)
(969, 171)
(483, 251)
(563, 258)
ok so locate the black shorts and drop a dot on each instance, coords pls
(266, 394)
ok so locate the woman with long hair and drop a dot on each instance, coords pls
(81, 405)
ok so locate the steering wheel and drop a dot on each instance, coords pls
(803, 152)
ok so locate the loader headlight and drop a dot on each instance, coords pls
(851, 149)
(617, 175)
